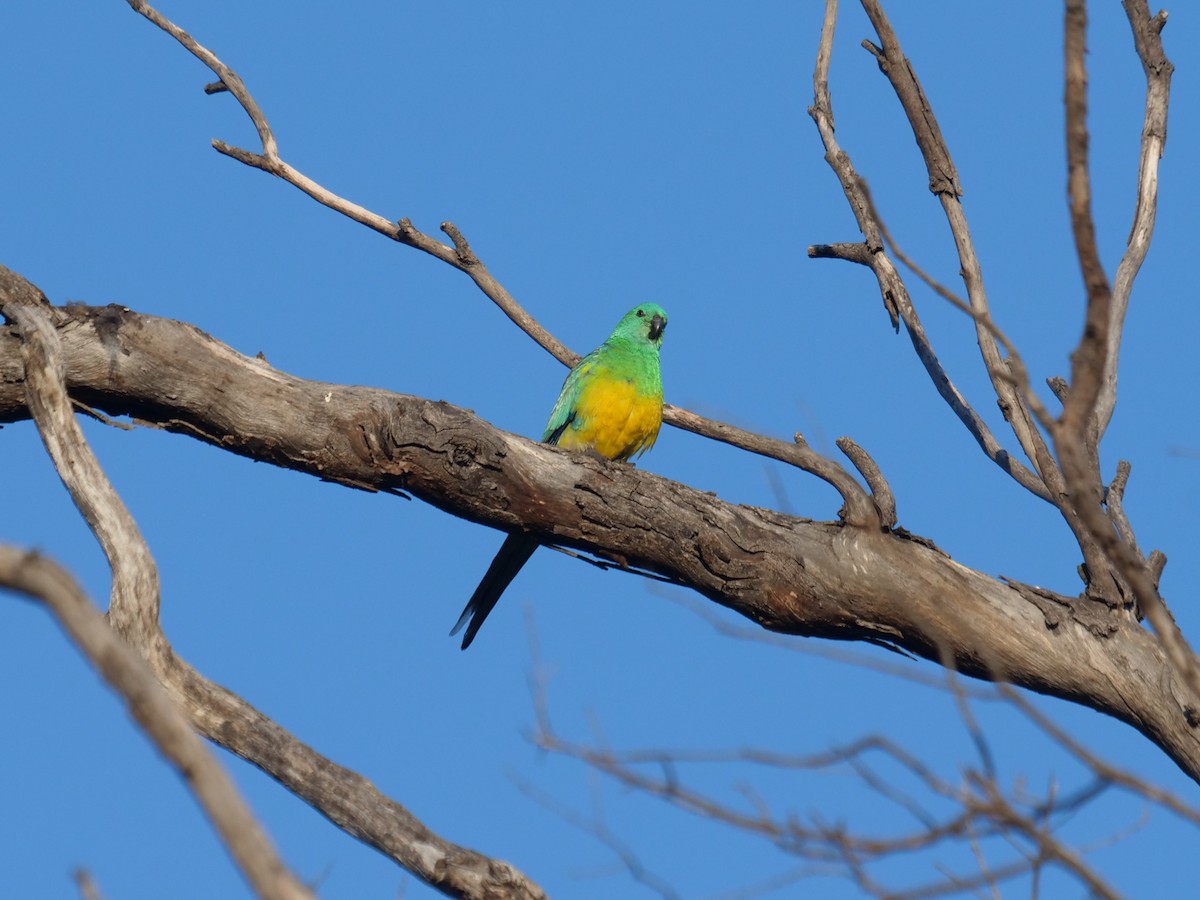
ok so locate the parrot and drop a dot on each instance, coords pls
(611, 405)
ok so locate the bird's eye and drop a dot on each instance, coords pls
(641, 314)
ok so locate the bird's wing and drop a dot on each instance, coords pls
(564, 411)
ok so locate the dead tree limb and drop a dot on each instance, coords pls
(819, 579)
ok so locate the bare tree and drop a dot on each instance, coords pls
(857, 578)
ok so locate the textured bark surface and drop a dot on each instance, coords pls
(817, 579)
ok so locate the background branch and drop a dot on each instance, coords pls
(158, 716)
(938, 810)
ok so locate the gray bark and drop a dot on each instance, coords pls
(790, 575)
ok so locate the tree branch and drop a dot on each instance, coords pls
(788, 575)
(1088, 360)
(35, 364)
(944, 183)
(1147, 40)
(891, 286)
(1077, 433)
(1114, 569)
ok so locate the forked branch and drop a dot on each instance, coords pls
(1115, 568)
(1088, 403)
(944, 182)
(891, 285)
(343, 796)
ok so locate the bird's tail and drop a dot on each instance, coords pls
(513, 554)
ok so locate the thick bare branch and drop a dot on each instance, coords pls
(787, 574)
(134, 601)
(135, 585)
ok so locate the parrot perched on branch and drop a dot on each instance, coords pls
(610, 404)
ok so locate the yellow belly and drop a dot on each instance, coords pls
(612, 419)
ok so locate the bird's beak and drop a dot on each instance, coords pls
(657, 325)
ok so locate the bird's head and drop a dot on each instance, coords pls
(645, 322)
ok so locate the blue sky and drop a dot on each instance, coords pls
(594, 157)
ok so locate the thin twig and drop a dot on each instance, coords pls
(1050, 481)
(945, 184)
(101, 417)
(891, 285)
(1147, 38)
(1114, 496)
(1010, 368)
(1104, 770)
(857, 507)
(599, 829)
(230, 79)
(855, 253)
(881, 491)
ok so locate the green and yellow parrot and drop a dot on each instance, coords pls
(610, 404)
